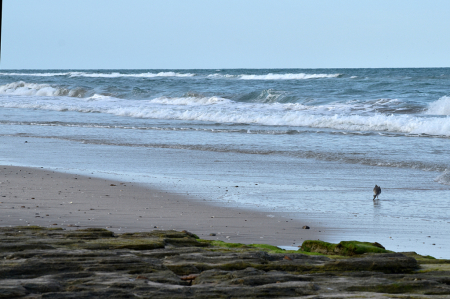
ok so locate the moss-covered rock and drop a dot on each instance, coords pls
(426, 259)
(89, 234)
(121, 243)
(345, 248)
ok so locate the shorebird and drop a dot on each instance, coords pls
(376, 191)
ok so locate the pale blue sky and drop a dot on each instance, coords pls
(143, 34)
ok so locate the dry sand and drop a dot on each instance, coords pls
(33, 196)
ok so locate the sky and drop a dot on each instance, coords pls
(204, 34)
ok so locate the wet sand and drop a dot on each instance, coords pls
(34, 196)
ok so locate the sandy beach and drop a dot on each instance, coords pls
(33, 196)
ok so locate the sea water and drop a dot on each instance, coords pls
(309, 143)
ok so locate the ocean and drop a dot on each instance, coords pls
(310, 143)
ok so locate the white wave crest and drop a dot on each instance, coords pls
(222, 76)
(102, 75)
(35, 74)
(140, 75)
(99, 97)
(28, 89)
(191, 101)
(288, 115)
(300, 76)
(270, 76)
(33, 89)
(439, 107)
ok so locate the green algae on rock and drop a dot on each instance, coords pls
(345, 248)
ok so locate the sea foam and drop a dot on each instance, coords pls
(33, 89)
(137, 75)
(103, 75)
(439, 107)
(190, 101)
(300, 76)
(112, 75)
(271, 76)
(35, 74)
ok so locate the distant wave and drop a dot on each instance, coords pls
(270, 76)
(102, 75)
(35, 74)
(300, 76)
(439, 107)
(140, 75)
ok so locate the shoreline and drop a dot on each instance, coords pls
(35, 196)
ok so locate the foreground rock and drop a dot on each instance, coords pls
(95, 263)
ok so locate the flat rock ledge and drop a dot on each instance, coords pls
(39, 262)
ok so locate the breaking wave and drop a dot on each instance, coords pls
(33, 89)
(140, 75)
(35, 74)
(221, 110)
(439, 107)
(270, 76)
(102, 75)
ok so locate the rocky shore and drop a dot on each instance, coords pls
(38, 262)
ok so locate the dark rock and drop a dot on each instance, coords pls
(387, 263)
(12, 291)
(42, 286)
